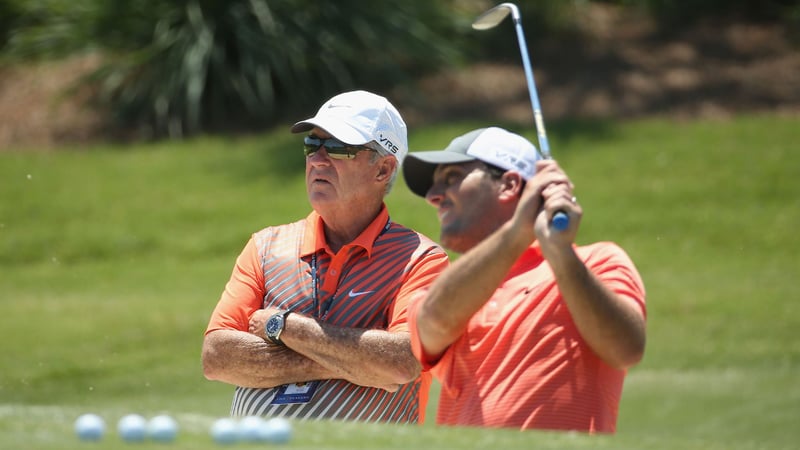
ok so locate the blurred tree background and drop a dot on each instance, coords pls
(173, 68)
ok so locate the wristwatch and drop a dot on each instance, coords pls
(275, 326)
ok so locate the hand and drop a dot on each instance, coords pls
(557, 196)
(541, 197)
(259, 320)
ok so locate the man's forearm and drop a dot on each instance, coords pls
(465, 287)
(375, 358)
(242, 359)
(611, 324)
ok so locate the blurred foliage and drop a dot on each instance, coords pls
(9, 13)
(178, 67)
(47, 28)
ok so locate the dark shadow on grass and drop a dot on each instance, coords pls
(562, 132)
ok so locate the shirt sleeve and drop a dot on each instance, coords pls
(243, 294)
(612, 265)
(420, 277)
(428, 362)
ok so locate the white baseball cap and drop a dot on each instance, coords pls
(492, 145)
(360, 117)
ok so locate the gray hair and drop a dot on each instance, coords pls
(380, 152)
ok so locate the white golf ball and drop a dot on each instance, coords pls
(277, 431)
(225, 431)
(132, 428)
(162, 428)
(90, 427)
(250, 428)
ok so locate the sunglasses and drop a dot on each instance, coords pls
(336, 149)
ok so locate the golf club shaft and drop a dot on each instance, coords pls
(544, 145)
(560, 219)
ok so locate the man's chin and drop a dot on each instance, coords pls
(320, 197)
(452, 242)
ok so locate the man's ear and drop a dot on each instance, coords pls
(511, 185)
(386, 167)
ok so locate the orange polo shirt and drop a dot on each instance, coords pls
(521, 362)
(366, 284)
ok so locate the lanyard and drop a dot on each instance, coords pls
(322, 309)
(315, 281)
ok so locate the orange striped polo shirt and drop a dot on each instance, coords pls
(521, 362)
(367, 284)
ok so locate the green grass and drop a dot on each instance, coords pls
(112, 259)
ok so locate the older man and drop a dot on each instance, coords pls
(313, 321)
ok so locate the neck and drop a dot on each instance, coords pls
(343, 228)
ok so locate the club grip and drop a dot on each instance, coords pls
(560, 221)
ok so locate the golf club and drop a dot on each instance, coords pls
(491, 19)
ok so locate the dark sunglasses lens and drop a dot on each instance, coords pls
(311, 145)
(333, 146)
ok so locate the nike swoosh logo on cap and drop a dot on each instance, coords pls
(353, 293)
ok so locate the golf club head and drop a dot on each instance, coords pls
(494, 16)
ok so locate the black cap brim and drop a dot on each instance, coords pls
(419, 167)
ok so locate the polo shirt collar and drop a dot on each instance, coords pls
(314, 235)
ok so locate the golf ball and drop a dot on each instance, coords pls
(277, 431)
(250, 428)
(162, 428)
(90, 427)
(132, 428)
(224, 431)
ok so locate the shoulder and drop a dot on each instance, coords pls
(603, 251)
(399, 231)
(281, 228)
(611, 263)
(288, 233)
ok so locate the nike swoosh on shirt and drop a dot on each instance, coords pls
(353, 293)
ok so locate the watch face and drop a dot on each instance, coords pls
(274, 325)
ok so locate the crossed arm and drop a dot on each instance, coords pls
(237, 351)
(314, 350)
